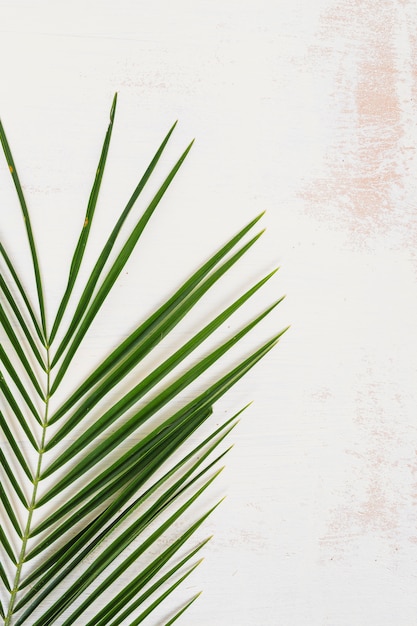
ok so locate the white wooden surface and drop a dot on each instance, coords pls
(306, 110)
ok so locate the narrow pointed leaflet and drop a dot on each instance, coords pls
(119, 461)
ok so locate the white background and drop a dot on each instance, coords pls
(306, 110)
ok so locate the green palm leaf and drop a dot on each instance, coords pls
(113, 496)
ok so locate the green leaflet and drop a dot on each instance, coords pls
(17, 412)
(85, 231)
(4, 577)
(77, 547)
(20, 386)
(28, 225)
(17, 282)
(6, 545)
(138, 583)
(9, 510)
(98, 268)
(147, 335)
(112, 487)
(113, 274)
(8, 328)
(14, 306)
(12, 478)
(140, 417)
(18, 456)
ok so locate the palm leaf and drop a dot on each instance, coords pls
(114, 496)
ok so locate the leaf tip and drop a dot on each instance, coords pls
(281, 332)
(113, 107)
(277, 302)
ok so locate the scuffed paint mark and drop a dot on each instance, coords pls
(374, 499)
(375, 507)
(367, 178)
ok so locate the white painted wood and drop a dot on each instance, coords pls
(306, 110)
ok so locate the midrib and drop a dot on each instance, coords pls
(32, 504)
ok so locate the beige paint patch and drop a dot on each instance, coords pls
(374, 498)
(369, 160)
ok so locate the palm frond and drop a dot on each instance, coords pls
(121, 482)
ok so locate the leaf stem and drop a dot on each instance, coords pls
(32, 503)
